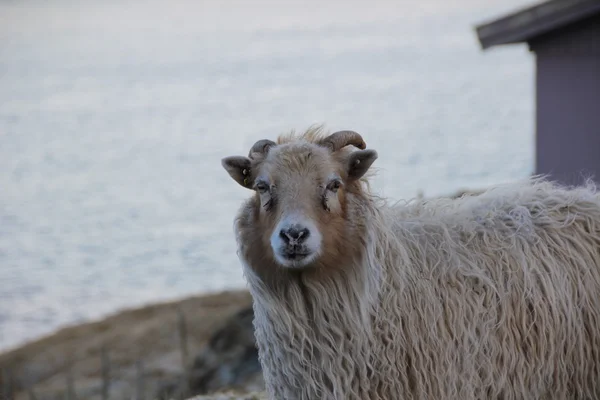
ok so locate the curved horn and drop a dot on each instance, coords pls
(262, 146)
(340, 139)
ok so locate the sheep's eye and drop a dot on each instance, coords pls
(262, 187)
(334, 185)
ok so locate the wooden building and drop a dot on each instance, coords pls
(564, 36)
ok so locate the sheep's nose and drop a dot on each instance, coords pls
(295, 234)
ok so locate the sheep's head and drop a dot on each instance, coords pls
(300, 209)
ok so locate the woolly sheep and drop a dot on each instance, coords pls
(495, 295)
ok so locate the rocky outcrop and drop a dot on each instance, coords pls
(230, 358)
(228, 361)
(149, 336)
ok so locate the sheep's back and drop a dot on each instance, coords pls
(497, 291)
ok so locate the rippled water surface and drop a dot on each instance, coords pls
(114, 117)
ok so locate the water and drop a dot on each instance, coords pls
(114, 118)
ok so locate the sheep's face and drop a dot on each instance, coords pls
(300, 193)
(301, 199)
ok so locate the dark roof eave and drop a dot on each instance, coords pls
(534, 21)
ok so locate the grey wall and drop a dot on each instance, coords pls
(568, 102)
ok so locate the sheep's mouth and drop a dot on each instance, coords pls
(295, 258)
(295, 255)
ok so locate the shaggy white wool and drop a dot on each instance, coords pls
(488, 296)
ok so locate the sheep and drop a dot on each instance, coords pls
(494, 295)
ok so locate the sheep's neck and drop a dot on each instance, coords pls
(310, 328)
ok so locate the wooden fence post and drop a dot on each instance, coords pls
(140, 391)
(183, 343)
(70, 392)
(105, 373)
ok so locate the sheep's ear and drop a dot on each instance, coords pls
(238, 167)
(359, 163)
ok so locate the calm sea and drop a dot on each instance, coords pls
(114, 117)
